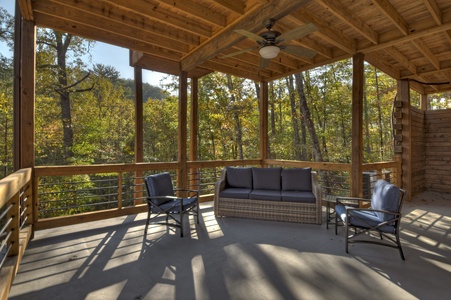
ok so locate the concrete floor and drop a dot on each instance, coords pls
(234, 258)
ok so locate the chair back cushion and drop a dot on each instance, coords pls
(159, 185)
(297, 179)
(238, 177)
(266, 178)
(386, 196)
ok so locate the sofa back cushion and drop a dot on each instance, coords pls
(386, 196)
(238, 177)
(266, 178)
(297, 179)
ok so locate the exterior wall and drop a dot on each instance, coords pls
(418, 150)
(438, 150)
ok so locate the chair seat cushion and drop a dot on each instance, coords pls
(174, 205)
(363, 219)
(295, 196)
(239, 193)
(270, 195)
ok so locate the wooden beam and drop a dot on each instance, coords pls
(404, 97)
(357, 125)
(26, 9)
(392, 15)
(226, 38)
(233, 5)
(435, 11)
(182, 172)
(264, 120)
(424, 103)
(349, 18)
(27, 91)
(139, 135)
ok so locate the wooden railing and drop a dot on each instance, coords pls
(15, 222)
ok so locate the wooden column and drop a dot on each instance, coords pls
(404, 97)
(194, 127)
(139, 135)
(182, 172)
(263, 120)
(424, 104)
(24, 95)
(357, 123)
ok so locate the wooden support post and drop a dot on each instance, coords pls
(357, 123)
(404, 97)
(194, 127)
(139, 135)
(263, 120)
(182, 179)
(424, 104)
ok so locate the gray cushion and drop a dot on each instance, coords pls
(297, 179)
(385, 196)
(239, 177)
(266, 178)
(365, 219)
(296, 196)
(239, 193)
(270, 195)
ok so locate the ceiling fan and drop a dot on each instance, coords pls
(269, 42)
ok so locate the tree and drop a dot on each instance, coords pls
(62, 76)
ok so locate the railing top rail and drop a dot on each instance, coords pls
(12, 184)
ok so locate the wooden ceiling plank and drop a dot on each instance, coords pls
(26, 9)
(435, 10)
(326, 32)
(393, 15)
(351, 19)
(407, 38)
(226, 38)
(130, 18)
(170, 18)
(197, 10)
(112, 26)
(427, 52)
(398, 56)
(233, 5)
(101, 35)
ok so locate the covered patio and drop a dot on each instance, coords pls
(408, 40)
(230, 258)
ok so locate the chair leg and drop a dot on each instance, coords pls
(336, 224)
(197, 214)
(181, 223)
(401, 253)
(347, 236)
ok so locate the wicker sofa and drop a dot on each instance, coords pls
(277, 194)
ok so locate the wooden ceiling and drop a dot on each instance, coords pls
(407, 39)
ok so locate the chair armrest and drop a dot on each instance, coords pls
(347, 201)
(396, 215)
(189, 191)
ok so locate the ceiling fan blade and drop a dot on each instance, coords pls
(239, 52)
(264, 63)
(297, 33)
(250, 35)
(300, 51)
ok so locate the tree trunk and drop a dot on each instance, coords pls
(236, 117)
(66, 117)
(308, 121)
(294, 118)
(379, 115)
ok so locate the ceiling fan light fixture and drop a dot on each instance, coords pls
(269, 52)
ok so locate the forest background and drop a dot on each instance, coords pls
(85, 113)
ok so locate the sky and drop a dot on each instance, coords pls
(102, 53)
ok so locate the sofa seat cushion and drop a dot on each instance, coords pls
(239, 177)
(295, 196)
(239, 193)
(297, 179)
(270, 195)
(266, 178)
